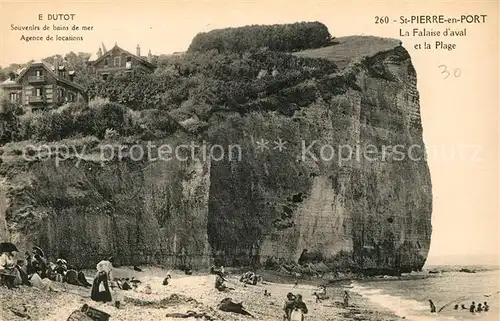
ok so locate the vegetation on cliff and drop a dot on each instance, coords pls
(280, 37)
(269, 204)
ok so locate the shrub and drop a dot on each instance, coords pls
(279, 37)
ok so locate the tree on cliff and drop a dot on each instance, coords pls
(279, 37)
(9, 122)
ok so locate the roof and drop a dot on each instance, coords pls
(143, 60)
(9, 83)
(50, 68)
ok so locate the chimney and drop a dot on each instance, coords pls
(99, 53)
(56, 65)
(138, 51)
(150, 56)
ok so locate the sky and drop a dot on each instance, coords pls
(459, 113)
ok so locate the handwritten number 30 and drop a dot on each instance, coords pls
(456, 73)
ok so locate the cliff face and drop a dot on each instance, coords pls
(350, 184)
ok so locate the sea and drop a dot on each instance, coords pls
(409, 296)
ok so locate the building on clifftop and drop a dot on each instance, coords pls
(107, 62)
(42, 85)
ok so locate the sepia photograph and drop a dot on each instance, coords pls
(249, 160)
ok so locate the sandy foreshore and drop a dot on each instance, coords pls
(184, 293)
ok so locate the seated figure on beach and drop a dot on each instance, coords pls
(464, 307)
(167, 278)
(23, 276)
(479, 308)
(219, 283)
(486, 307)
(39, 266)
(320, 296)
(472, 307)
(8, 271)
(61, 267)
(249, 278)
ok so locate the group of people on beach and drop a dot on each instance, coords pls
(35, 270)
(473, 308)
(294, 303)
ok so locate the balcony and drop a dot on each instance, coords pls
(36, 79)
(36, 99)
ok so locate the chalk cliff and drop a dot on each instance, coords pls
(370, 209)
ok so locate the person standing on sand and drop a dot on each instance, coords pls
(100, 288)
(106, 266)
(346, 299)
(300, 305)
(288, 306)
(433, 307)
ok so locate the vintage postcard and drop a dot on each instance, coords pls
(249, 160)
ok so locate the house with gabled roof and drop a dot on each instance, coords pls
(109, 62)
(42, 85)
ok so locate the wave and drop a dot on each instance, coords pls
(402, 307)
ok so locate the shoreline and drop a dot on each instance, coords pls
(194, 292)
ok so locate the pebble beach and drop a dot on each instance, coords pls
(185, 293)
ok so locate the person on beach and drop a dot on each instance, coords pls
(456, 307)
(100, 289)
(300, 305)
(486, 307)
(346, 299)
(464, 307)
(288, 306)
(433, 307)
(25, 280)
(8, 270)
(106, 266)
(479, 308)
(61, 267)
(472, 307)
(219, 284)
(40, 266)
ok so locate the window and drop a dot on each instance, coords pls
(71, 96)
(106, 62)
(104, 76)
(13, 97)
(38, 92)
(128, 65)
(38, 73)
(117, 61)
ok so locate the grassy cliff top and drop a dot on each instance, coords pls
(347, 49)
